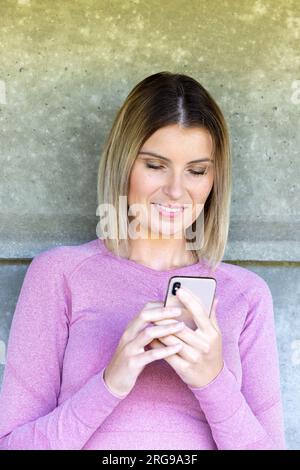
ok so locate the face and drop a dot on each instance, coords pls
(175, 180)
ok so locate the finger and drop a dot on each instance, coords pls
(174, 360)
(213, 315)
(154, 304)
(148, 334)
(195, 340)
(192, 338)
(195, 306)
(160, 353)
(187, 352)
(183, 311)
(157, 344)
(188, 335)
(145, 319)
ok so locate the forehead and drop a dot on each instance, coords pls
(175, 141)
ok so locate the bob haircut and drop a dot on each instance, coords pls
(160, 100)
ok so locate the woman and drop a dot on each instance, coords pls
(89, 364)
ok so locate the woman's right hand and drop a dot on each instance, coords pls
(130, 357)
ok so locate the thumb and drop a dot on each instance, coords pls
(154, 304)
(213, 316)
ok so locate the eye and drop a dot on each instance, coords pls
(153, 166)
(193, 172)
(198, 173)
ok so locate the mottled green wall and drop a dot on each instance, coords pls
(65, 69)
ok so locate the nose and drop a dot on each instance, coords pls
(174, 188)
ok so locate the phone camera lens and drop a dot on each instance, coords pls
(176, 286)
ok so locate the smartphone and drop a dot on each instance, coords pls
(202, 287)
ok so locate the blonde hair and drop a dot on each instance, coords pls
(159, 100)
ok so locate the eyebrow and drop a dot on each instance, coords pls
(168, 160)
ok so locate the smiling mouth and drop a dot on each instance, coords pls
(169, 211)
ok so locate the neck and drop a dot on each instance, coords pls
(149, 253)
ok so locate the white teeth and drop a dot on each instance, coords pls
(169, 209)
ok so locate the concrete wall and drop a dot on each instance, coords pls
(66, 67)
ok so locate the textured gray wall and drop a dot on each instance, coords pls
(66, 67)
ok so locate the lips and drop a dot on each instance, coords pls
(170, 206)
(168, 212)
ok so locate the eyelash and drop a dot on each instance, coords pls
(194, 173)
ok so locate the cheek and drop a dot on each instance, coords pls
(140, 185)
(200, 191)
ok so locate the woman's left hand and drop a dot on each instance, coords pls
(200, 359)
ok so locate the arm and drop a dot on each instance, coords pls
(250, 417)
(29, 415)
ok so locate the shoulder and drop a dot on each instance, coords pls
(244, 281)
(250, 290)
(64, 259)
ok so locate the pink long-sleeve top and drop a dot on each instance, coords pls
(73, 307)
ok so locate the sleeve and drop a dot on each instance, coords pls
(29, 415)
(249, 417)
